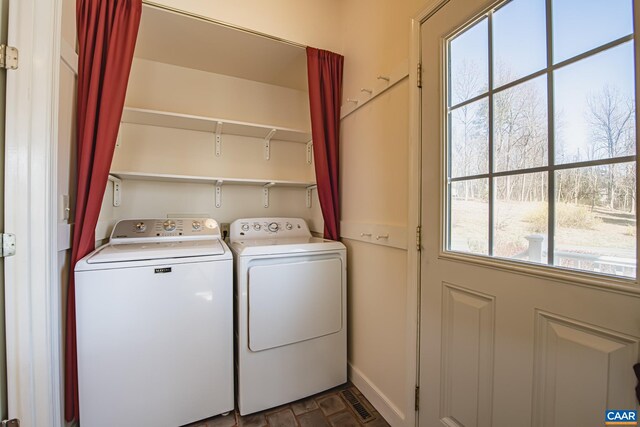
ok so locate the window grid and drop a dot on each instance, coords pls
(551, 167)
(490, 118)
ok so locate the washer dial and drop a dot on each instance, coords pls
(257, 226)
(140, 227)
(169, 225)
(196, 225)
(288, 226)
(273, 227)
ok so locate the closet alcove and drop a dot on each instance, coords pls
(216, 123)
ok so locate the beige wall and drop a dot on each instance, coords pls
(159, 86)
(159, 150)
(375, 182)
(313, 23)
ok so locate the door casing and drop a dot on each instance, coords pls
(33, 333)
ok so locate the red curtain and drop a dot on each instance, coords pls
(107, 32)
(325, 92)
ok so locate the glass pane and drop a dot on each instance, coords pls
(596, 219)
(520, 217)
(469, 63)
(470, 139)
(469, 212)
(520, 126)
(582, 25)
(594, 107)
(519, 40)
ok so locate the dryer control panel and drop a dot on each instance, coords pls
(131, 230)
(261, 228)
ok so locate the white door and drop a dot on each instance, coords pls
(530, 307)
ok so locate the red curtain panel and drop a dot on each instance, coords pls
(107, 32)
(325, 93)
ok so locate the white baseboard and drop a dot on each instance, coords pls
(391, 413)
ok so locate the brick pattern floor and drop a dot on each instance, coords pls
(327, 409)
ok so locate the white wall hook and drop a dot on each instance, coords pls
(369, 91)
(386, 78)
(365, 234)
(382, 236)
(355, 101)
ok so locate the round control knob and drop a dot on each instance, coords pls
(140, 227)
(196, 225)
(245, 227)
(256, 226)
(273, 227)
(288, 226)
(169, 225)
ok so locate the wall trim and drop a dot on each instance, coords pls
(391, 413)
(394, 236)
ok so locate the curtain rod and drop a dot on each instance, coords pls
(224, 24)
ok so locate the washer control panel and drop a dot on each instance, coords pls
(178, 228)
(258, 228)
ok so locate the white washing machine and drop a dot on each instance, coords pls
(154, 311)
(291, 318)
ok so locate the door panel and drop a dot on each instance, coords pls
(566, 350)
(305, 306)
(505, 346)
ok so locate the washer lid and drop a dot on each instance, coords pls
(280, 245)
(156, 250)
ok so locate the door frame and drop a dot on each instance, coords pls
(33, 309)
(415, 189)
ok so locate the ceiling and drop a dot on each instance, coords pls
(186, 41)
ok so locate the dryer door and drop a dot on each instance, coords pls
(293, 302)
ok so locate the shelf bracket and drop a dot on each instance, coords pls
(119, 138)
(309, 190)
(219, 193)
(265, 193)
(267, 144)
(309, 152)
(219, 139)
(117, 189)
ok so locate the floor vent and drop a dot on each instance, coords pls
(359, 408)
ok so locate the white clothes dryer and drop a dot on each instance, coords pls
(154, 310)
(291, 319)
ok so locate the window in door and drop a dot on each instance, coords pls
(541, 135)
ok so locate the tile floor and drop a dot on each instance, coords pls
(330, 408)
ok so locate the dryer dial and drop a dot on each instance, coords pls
(257, 226)
(140, 227)
(169, 225)
(245, 227)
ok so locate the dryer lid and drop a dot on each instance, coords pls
(156, 250)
